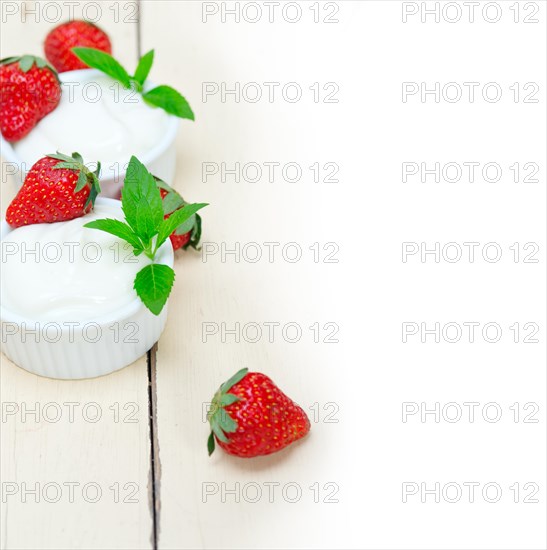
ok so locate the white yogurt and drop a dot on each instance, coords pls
(75, 274)
(99, 119)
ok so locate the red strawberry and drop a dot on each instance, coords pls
(61, 40)
(29, 90)
(188, 233)
(57, 188)
(250, 416)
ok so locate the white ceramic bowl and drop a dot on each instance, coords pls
(58, 351)
(160, 160)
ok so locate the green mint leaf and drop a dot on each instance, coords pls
(105, 63)
(118, 229)
(170, 101)
(179, 216)
(145, 226)
(153, 284)
(141, 197)
(144, 66)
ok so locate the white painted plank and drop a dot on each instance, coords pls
(90, 437)
(189, 370)
(370, 452)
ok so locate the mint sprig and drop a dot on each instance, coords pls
(146, 230)
(165, 97)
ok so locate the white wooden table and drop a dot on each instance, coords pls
(146, 454)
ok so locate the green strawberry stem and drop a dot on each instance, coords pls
(85, 177)
(26, 63)
(221, 422)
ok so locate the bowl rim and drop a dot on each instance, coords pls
(81, 75)
(165, 256)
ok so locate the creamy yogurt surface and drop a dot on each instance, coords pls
(99, 119)
(65, 272)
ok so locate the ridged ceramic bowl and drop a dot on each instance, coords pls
(75, 352)
(160, 159)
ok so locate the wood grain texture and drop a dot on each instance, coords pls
(197, 508)
(86, 449)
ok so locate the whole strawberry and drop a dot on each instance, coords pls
(60, 41)
(250, 416)
(57, 188)
(187, 234)
(29, 90)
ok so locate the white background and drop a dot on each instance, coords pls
(370, 373)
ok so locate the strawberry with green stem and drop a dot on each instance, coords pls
(165, 97)
(56, 188)
(189, 232)
(250, 416)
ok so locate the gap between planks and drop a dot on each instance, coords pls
(155, 466)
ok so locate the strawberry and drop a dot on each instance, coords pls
(250, 416)
(57, 188)
(29, 90)
(188, 233)
(60, 41)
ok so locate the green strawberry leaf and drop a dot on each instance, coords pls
(105, 63)
(211, 444)
(237, 377)
(26, 62)
(170, 101)
(144, 66)
(85, 176)
(179, 216)
(195, 236)
(73, 165)
(171, 202)
(228, 398)
(118, 229)
(226, 422)
(218, 430)
(141, 198)
(186, 226)
(61, 156)
(82, 181)
(153, 285)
